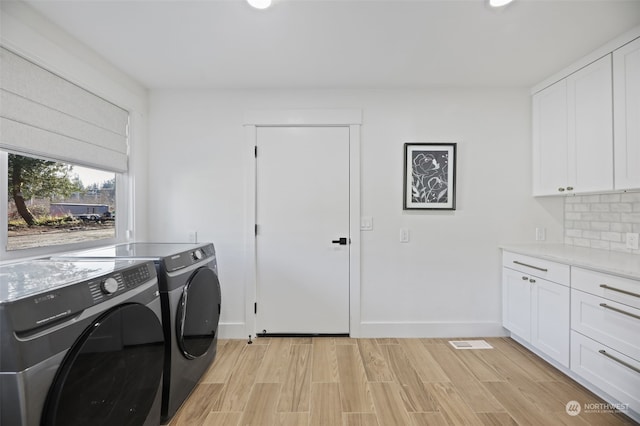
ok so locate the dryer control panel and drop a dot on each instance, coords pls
(184, 259)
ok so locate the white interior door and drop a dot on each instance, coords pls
(302, 207)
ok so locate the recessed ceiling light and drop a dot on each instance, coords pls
(260, 4)
(499, 3)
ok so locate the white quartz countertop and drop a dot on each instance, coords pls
(610, 262)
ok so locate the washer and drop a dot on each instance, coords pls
(191, 301)
(81, 343)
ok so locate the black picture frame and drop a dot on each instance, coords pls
(429, 176)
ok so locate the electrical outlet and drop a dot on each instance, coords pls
(404, 235)
(193, 236)
(541, 234)
(632, 240)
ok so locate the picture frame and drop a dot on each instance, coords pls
(429, 176)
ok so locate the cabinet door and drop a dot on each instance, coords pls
(609, 370)
(550, 133)
(590, 136)
(626, 92)
(516, 303)
(550, 320)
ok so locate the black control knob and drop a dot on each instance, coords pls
(109, 286)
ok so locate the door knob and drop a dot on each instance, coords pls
(342, 241)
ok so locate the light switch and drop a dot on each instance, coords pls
(404, 235)
(366, 223)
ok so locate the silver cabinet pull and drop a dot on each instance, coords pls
(531, 266)
(569, 188)
(611, 308)
(525, 278)
(531, 280)
(619, 290)
(560, 189)
(619, 361)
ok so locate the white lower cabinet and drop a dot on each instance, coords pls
(611, 371)
(516, 303)
(536, 309)
(587, 321)
(611, 323)
(550, 320)
(605, 333)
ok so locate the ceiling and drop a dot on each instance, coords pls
(341, 43)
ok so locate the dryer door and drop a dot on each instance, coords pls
(198, 313)
(112, 374)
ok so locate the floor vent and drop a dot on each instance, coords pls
(470, 344)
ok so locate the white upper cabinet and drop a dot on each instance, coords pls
(626, 108)
(573, 133)
(550, 137)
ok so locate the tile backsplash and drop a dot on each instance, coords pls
(602, 221)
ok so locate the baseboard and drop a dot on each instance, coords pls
(232, 330)
(430, 329)
(397, 329)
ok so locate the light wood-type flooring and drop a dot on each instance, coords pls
(383, 382)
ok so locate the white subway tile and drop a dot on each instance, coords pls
(612, 236)
(622, 207)
(600, 226)
(630, 197)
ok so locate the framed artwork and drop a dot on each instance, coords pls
(429, 176)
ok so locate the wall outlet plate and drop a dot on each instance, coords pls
(541, 234)
(632, 240)
(366, 223)
(404, 235)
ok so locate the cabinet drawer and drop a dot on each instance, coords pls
(622, 290)
(552, 271)
(610, 323)
(611, 371)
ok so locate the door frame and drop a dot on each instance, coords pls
(351, 118)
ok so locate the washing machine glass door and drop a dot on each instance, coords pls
(112, 373)
(198, 313)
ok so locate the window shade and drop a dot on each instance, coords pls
(45, 115)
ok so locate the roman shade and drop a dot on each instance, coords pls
(44, 115)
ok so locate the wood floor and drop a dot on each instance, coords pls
(383, 382)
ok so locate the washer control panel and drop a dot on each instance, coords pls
(30, 314)
(118, 282)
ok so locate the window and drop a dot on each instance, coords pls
(52, 203)
(63, 163)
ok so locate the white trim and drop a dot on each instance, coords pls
(371, 329)
(250, 237)
(4, 207)
(354, 230)
(591, 57)
(304, 117)
(232, 330)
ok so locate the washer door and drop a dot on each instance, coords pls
(112, 374)
(198, 313)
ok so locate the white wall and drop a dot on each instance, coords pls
(446, 280)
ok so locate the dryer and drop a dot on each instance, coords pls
(191, 304)
(81, 343)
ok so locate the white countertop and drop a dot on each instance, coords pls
(611, 262)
